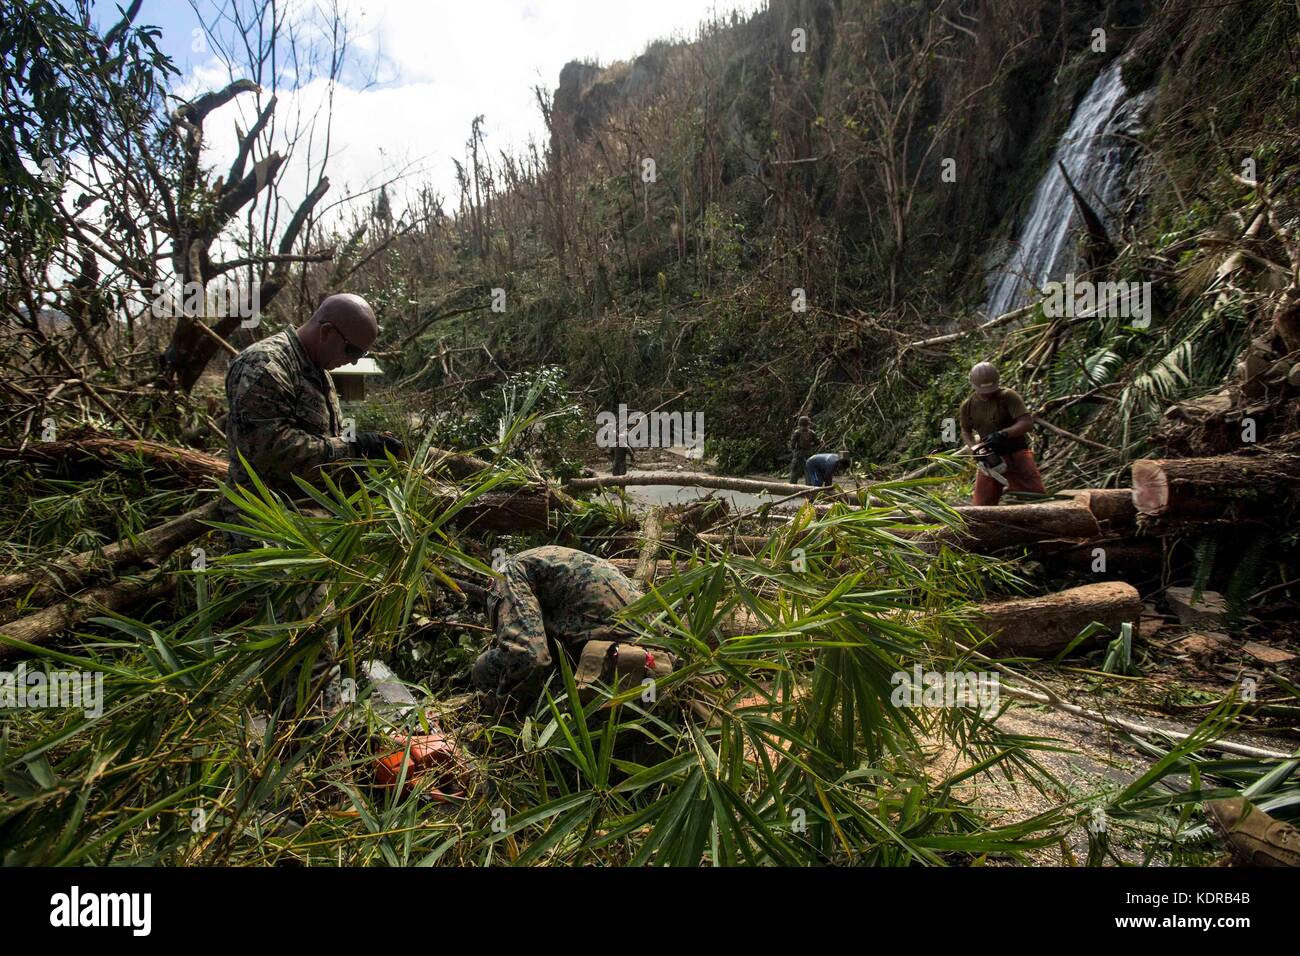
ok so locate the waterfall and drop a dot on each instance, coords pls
(1095, 160)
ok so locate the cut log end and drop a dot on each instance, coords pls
(1150, 487)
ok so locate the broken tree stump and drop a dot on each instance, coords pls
(1044, 626)
(1202, 488)
(1112, 507)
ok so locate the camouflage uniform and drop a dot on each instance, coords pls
(542, 595)
(284, 413)
(285, 420)
(802, 442)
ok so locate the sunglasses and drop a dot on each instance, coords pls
(354, 352)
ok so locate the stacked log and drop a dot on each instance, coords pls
(1044, 626)
(994, 527)
(1201, 489)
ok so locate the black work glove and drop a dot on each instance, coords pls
(375, 444)
(997, 443)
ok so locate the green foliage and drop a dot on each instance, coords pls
(1206, 548)
(738, 456)
(1244, 580)
(62, 90)
(532, 415)
(1166, 800)
(806, 760)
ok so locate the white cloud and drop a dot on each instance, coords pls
(442, 63)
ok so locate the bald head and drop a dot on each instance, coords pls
(340, 331)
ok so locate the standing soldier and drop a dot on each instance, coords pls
(623, 451)
(802, 441)
(999, 416)
(285, 420)
(554, 595)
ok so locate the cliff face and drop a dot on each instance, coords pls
(862, 98)
(759, 219)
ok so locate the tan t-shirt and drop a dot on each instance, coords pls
(984, 416)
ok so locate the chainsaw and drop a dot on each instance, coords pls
(991, 463)
(993, 466)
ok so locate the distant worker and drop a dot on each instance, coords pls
(557, 597)
(820, 469)
(802, 441)
(1001, 420)
(622, 451)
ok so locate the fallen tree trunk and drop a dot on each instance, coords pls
(701, 480)
(993, 527)
(522, 509)
(988, 528)
(195, 467)
(1044, 626)
(1112, 507)
(188, 463)
(40, 626)
(151, 545)
(1201, 488)
(1005, 317)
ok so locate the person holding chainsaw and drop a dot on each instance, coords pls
(999, 417)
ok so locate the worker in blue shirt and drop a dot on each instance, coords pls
(819, 469)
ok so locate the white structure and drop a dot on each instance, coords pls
(350, 379)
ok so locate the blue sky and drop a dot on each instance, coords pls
(174, 17)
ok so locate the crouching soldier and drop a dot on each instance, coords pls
(553, 599)
(285, 421)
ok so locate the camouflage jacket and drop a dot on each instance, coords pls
(284, 413)
(543, 595)
(801, 440)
